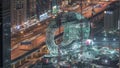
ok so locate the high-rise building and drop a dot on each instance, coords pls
(119, 19)
(31, 9)
(43, 6)
(21, 12)
(6, 34)
(47, 7)
(18, 12)
(111, 19)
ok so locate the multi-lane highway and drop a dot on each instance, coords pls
(42, 37)
(87, 12)
(42, 29)
(27, 34)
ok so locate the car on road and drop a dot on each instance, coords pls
(97, 6)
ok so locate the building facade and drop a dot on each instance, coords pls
(21, 12)
(6, 34)
(31, 9)
(47, 7)
(18, 12)
(111, 16)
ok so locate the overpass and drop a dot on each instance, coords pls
(20, 60)
(31, 54)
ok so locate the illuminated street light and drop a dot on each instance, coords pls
(88, 1)
(26, 22)
(38, 24)
(106, 61)
(18, 27)
(105, 12)
(108, 12)
(104, 39)
(106, 0)
(105, 34)
(34, 19)
(21, 32)
(53, 17)
(114, 39)
(111, 31)
(94, 39)
(66, 11)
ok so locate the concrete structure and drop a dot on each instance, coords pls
(43, 6)
(6, 34)
(18, 12)
(47, 7)
(31, 9)
(21, 12)
(111, 19)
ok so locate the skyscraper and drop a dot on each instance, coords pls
(43, 6)
(18, 12)
(6, 33)
(31, 9)
(111, 18)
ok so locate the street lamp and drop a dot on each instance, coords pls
(53, 17)
(105, 12)
(38, 24)
(104, 39)
(18, 27)
(88, 1)
(66, 11)
(21, 32)
(114, 39)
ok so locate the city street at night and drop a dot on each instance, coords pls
(63, 34)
